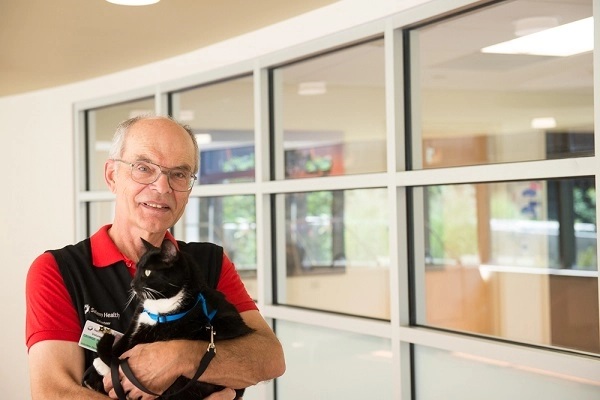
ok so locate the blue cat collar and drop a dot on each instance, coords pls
(160, 318)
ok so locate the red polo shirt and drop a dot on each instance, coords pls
(50, 311)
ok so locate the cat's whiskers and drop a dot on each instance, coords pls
(151, 294)
(132, 296)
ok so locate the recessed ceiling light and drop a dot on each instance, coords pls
(133, 2)
(312, 88)
(203, 138)
(543, 123)
(561, 41)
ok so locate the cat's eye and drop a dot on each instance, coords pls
(147, 272)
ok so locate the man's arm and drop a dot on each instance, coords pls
(239, 362)
(244, 361)
(56, 369)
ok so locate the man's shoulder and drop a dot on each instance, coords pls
(198, 246)
(208, 256)
(202, 252)
(82, 246)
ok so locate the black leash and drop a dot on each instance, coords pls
(211, 351)
(114, 375)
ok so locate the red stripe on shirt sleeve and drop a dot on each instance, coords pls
(232, 286)
(50, 314)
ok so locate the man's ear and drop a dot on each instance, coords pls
(110, 174)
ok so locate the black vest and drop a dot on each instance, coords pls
(101, 294)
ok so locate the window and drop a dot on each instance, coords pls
(327, 364)
(337, 251)
(221, 116)
(330, 113)
(473, 106)
(488, 378)
(229, 221)
(513, 260)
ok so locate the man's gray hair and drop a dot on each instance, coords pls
(120, 136)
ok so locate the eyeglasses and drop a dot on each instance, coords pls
(146, 172)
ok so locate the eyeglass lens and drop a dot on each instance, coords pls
(147, 173)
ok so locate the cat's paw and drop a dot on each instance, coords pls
(102, 368)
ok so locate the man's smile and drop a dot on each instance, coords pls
(156, 205)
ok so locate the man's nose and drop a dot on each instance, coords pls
(162, 183)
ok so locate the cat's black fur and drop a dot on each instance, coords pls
(169, 274)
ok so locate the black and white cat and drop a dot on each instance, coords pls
(174, 303)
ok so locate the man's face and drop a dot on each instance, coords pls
(155, 207)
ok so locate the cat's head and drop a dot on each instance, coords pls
(161, 272)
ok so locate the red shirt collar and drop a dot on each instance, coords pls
(104, 250)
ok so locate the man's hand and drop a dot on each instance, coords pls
(241, 362)
(225, 394)
(152, 366)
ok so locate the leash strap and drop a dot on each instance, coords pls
(206, 359)
(114, 375)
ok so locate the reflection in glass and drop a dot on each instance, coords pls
(332, 113)
(516, 260)
(491, 379)
(337, 251)
(222, 117)
(329, 364)
(474, 107)
(101, 126)
(229, 221)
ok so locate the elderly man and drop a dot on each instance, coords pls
(147, 206)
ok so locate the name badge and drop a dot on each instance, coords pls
(93, 332)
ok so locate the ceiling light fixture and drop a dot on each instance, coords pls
(133, 2)
(203, 138)
(561, 41)
(543, 123)
(312, 88)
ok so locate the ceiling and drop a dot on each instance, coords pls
(50, 43)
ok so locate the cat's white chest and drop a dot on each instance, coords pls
(159, 307)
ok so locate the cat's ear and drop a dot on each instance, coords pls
(148, 245)
(168, 251)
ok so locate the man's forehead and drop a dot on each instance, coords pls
(163, 153)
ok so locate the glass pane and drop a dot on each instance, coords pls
(466, 377)
(337, 253)
(229, 221)
(517, 260)
(99, 213)
(101, 126)
(332, 113)
(222, 117)
(328, 364)
(478, 105)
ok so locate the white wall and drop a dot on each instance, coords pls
(38, 193)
